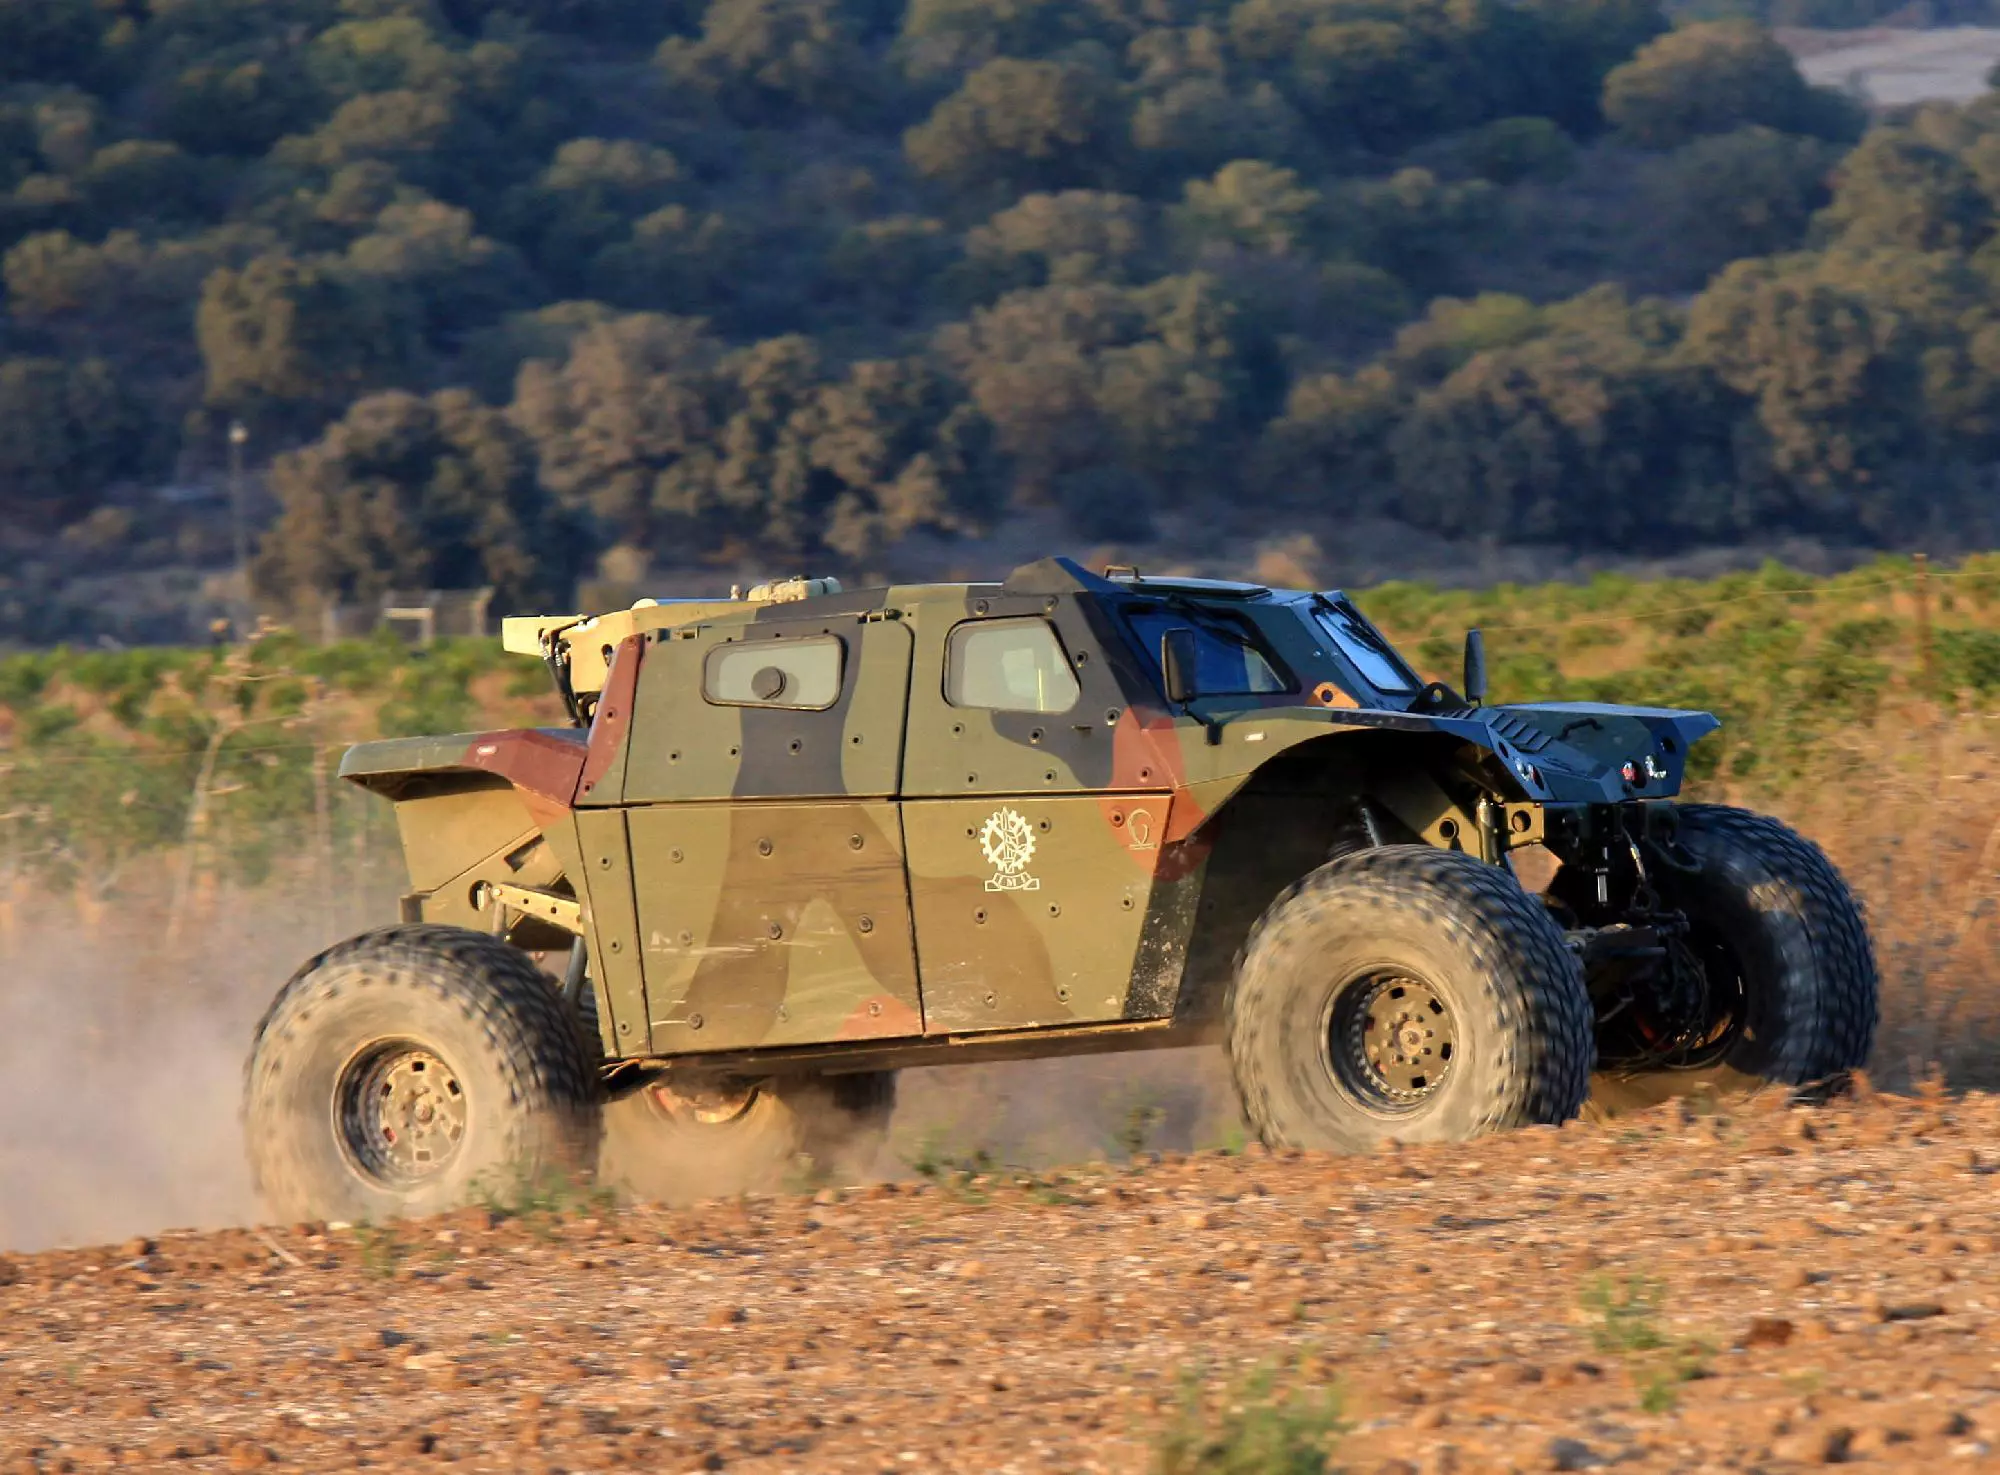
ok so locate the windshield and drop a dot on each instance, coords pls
(1228, 659)
(1364, 646)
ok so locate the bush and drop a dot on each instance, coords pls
(1265, 1428)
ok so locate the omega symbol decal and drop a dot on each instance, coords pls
(1008, 843)
(1140, 831)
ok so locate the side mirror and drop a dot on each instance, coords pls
(1177, 663)
(1475, 667)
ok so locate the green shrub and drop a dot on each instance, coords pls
(1264, 1427)
(1969, 660)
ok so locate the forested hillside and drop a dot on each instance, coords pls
(504, 284)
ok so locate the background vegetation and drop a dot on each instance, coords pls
(504, 284)
(121, 758)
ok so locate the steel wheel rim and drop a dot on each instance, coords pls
(1391, 1040)
(400, 1113)
(705, 1104)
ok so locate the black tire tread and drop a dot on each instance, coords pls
(1514, 933)
(1847, 1009)
(514, 1004)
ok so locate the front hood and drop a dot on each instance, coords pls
(1557, 752)
(1582, 752)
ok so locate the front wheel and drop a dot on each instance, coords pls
(1783, 955)
(411, 1070)
(1406, 993)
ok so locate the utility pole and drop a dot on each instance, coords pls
(238, 436)
(1926, 648)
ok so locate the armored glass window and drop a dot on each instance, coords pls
(775, 673)
(1009, 666)
(1364, 645)
(1230, 660)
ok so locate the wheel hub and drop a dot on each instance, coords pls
(710, 1103)
(1392, 1040)
(402, 1113)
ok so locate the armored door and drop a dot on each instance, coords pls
(767, 858)
(1035, 817)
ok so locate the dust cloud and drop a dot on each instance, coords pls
(121, 1067)
(1039, 1113)
(121, 1060)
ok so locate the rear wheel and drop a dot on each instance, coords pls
(411, 1070)
(1783, 960)
(676, 1143)
(1406, 993)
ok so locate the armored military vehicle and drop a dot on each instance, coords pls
(798, 838)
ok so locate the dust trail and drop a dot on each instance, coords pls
(121, 1064)
(1035, 1113)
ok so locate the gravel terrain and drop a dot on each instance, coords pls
(1771, 1290)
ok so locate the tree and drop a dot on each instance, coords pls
(1589, 432)
(670, 440)
(948, 38)
(1511, 150)
(626, 424)
(382, 54)
(492, 357)
(1730, 195)
(1194, 125)
(288, 340)
(586, 199)
(1901, 189)
(1071, 238)
(1830, 353)
(676, 259)
(405, 492)
(1253, 205)
(239, 104)
(1161, 380)
(883, 271)
(897, 449)
(142, 181)
(427, 138)
(1328, 451)
(48, 40)
(1414, 225)
(65, 432)
(1714, 77)
(1019, 125)
(1580, 42)
(611, 21)
(456, 278)
(775, 60)
(123, 282)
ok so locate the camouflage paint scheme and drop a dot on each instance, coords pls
(770, 882)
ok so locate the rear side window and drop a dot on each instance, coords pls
(800, 674)
(1009, 666)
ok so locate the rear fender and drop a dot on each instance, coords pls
(479, 807)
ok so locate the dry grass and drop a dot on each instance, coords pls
(1909, 809)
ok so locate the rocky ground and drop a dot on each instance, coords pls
(1768, 1291)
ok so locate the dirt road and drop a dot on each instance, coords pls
(1669, 1292)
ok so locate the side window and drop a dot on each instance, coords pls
(1009, 666)
(775, 673)
(1228, 658)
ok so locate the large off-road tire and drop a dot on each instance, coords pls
(1406, 993)
(413, 1069)
(1785, 948)
(671, 1145)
